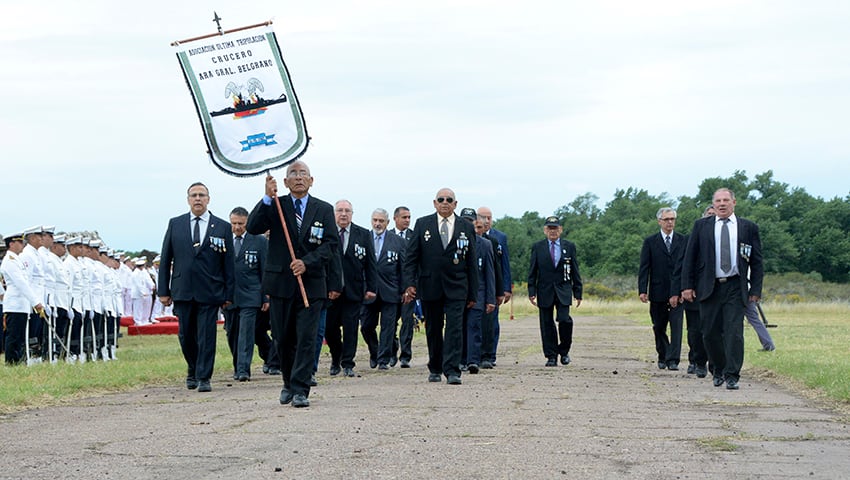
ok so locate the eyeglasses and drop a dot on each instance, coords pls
(445, 199)
(668, 219)
(197, 195)
(298, 173)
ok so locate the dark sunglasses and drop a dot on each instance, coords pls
(445, 199)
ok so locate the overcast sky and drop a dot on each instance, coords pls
(519, 106)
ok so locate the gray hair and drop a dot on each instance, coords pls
(663, 210)
(381, 211)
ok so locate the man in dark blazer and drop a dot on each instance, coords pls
(553, 282)
(240, 318)
(403, 344)
(389, 249)
(440, 268)
(358, 285)
(310, 223)
(722, 252)
(658, 258)
(196, 274)
(485, 297)
(504, 287)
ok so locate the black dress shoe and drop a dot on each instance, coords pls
(204, 386)
(435, 377)
(485, 364)
(348, 372)
(731, 384)
(701, 372)
(393, 361)
(265, 368)
(672, 366)
(565, 359)
(373, 363)
(662, 365)
(692, 369)
(718, 381)
(405, 364)
(299, 400)
(551, 362)
(454, 380)
(313, 382)
(191, 383)
(274, 371)
(285, 396)
(383, 366)
(335, 370)
(243, 378)
(473, 368)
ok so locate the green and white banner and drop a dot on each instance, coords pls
(245, 100)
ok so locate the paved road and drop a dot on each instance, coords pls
(610, 414)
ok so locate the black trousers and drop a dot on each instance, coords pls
(557, 340)
(722, 315)
(669, 349)
(196, 332)
(75, 338)
(403, 346)
(488, 335)
(341, 326)
(444, 349)
(696, 346)
(294, 328)
(386, 314)
(15, 332)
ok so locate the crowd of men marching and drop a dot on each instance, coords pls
(63, 297)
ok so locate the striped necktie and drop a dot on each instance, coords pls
(298, 213)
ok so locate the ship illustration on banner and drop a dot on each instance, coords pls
(247, 105)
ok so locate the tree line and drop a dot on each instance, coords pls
(799, 232)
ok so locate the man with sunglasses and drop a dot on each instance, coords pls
(440, 269)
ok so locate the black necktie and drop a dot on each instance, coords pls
(237, 244)
(196, 233)
(342, 240)
(668, 243)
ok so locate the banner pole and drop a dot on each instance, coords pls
(291, 249)
(220, 33)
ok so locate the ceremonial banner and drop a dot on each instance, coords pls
(244, 97)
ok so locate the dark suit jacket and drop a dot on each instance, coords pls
(358, 263)
(431, 269)
(389, 267)
(314, 246)
(498, 271)
(248, 290)
(204, 275)
(503, 257)
(408, 234)
(546, 281)
(656, 266)
(486, 274)
(699, 261)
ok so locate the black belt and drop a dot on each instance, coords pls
(726, 279)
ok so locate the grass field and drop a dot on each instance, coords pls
(812, 357)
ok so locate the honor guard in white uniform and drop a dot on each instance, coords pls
(158, 309)
(97, 284)
(89, 339)
(35, 269)
(110, 310)
(58, 296)
(20, 299)
(78, 290)
(143, 289)
(125, 275)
